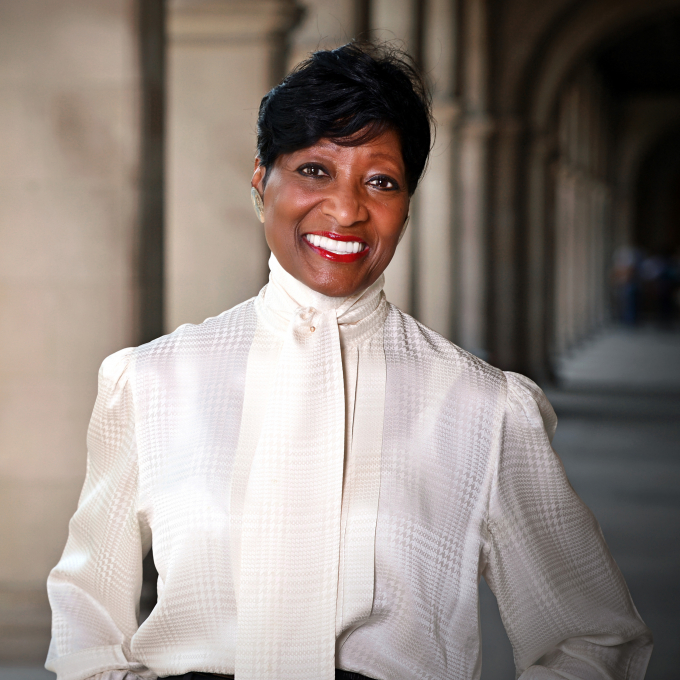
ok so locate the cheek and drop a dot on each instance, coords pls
(288, 208)
(292, 204)
(389, 226)
(280, 218)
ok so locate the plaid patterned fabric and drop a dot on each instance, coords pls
(468, 485)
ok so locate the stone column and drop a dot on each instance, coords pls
(69, 162)
(579, 234)
(435, 292)
(396, 20)
(472, 235)
(472, 182)
(504, 247)
(326, 24)
(566, 260)
(570, 256)
(559, 329)
(605, 253)
(223, 56)
(543, 218)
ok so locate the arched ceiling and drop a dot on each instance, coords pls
(657, 227)
(550, 38)
(518, 28)
(644, 61)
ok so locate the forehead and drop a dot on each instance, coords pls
(385, 146)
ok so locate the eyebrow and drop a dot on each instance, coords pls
(382, 155)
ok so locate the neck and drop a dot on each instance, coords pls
(285, 295)
(300, 293)
(304, 296)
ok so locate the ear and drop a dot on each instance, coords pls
(258, 177)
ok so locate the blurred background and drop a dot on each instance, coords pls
(545, 237)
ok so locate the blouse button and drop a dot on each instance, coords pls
(312, 328)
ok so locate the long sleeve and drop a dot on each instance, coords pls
(94, 589)
(563, 601)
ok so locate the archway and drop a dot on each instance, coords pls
(591, 53)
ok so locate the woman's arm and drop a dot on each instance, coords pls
(94, 590)
(563, 601)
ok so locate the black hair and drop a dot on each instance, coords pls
(350, 95)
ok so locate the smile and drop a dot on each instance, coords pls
(336, 247)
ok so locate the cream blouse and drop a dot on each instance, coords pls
(348, 483)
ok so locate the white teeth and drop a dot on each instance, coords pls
(338, 247)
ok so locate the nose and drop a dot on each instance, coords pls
(345, 203)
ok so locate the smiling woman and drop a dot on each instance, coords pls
(325, 480)
(341, 165)
(330, 205)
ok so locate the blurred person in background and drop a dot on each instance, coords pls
(667, 291)
(626, 280)
(659, 277)
(323, 479)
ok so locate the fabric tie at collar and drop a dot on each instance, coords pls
(287, 489)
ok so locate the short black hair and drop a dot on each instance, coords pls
(351, 95)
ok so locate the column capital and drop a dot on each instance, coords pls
(479, 125)
(446, 110)
(233, 21)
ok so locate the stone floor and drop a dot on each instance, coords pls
(619, 439)
(25, 673)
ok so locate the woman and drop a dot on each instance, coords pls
(323, 479)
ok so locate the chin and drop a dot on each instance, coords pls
(331, 288)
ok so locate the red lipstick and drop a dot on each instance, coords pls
(336, 257)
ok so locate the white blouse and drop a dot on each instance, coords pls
(446, 474)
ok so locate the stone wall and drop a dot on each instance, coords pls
(222, 58)
(69, 100)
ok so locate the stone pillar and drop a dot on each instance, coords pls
(325, 24)
(580, 235)
(570, 256)
(472, 236)
(543, 204)
(472, 182)
(504, 248)
(559, 330)
(223, 56)
(435, 292)
(566, 261)
(69, 163)
(396, 20)
(605, 252)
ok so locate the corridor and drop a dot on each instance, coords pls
(619, 439)
(548, 215)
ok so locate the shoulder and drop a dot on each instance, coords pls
(527, 402)
(216, 336)
(409, 342)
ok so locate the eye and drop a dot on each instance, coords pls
(383, 182)
(312, 170)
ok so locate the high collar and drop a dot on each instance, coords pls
(358, 315)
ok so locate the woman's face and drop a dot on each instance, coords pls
(333, 214)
